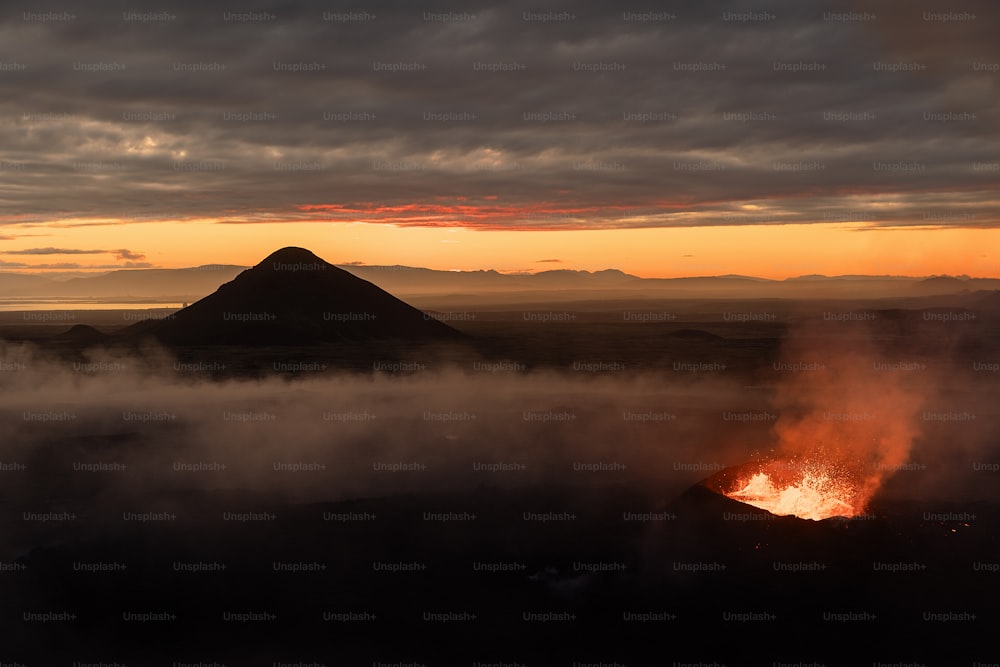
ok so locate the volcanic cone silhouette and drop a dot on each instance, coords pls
(292, 298)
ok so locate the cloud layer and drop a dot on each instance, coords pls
(502, 114)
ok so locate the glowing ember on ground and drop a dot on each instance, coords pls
(807, 491)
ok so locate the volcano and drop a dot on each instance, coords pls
(81, 333)
(710, 523)
(293, 297)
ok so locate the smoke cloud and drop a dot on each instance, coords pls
(108, 429)
(848, 406)
(442, 428)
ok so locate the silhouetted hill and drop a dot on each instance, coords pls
(291, 298)
(81, 333)
(16, 283)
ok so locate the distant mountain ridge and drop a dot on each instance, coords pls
(179, 284)
(190, 284)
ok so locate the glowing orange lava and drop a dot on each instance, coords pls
(806, 490)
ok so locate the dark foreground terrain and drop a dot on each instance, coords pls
(529, 498)
(378, 581)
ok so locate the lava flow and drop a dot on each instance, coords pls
(808, 490)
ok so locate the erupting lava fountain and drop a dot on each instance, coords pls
(806, 489)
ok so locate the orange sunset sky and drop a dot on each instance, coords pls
(810, 138)
(769, 251)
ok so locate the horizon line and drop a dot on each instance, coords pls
(87, 273)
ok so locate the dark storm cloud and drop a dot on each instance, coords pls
(125, 253)
(119, 253)
(552, 115)
(55, 251)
